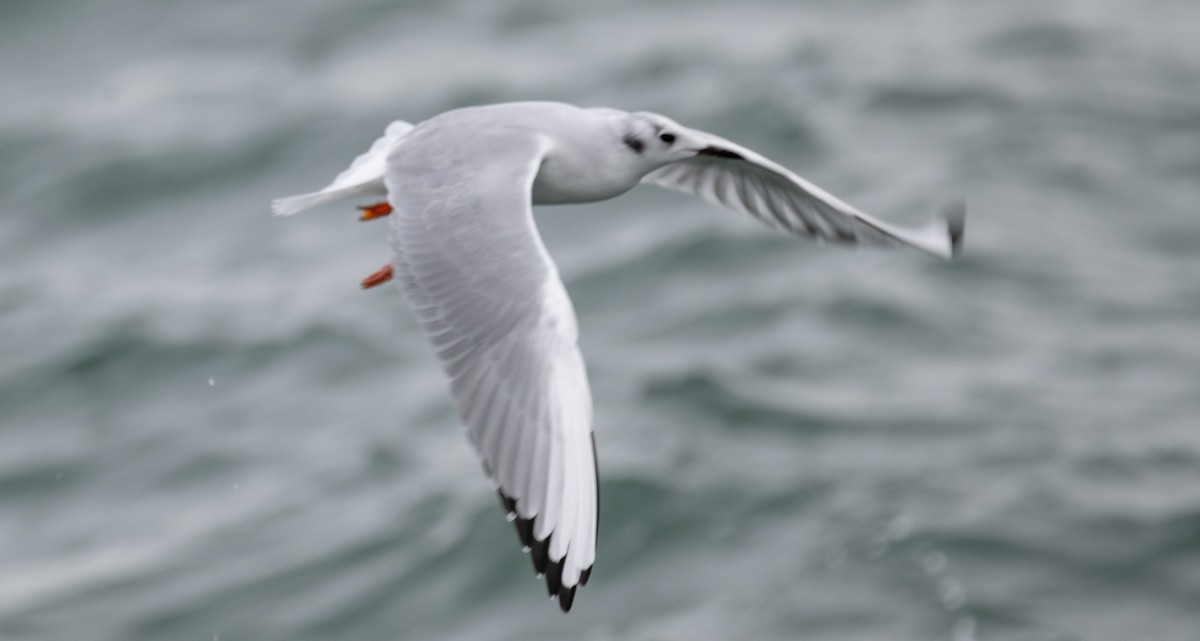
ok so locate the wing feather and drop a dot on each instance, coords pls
(468, 256)
(727, 174)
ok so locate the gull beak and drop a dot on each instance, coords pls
(718, 152)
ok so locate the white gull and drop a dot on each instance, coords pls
(460, 187)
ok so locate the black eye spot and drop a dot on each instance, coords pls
(634, 144)
(667, 138)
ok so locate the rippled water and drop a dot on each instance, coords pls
(208, 432)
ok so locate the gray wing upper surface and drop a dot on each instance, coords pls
(740, 179)
(475, 271)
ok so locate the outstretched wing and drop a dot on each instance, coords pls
(728, 174)
(475, 271)
(364, 176)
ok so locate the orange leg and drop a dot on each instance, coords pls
(378, 278)
(378, 210)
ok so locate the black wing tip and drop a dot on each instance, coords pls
(955, 215)
(525, 532)
(554, 577)
(540, 549)
(539, 552)
(565, 595)
(552, 571)
(566, 598)
(524, 526)
(540, 555)
(507, 502)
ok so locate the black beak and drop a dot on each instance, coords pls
(719, 153)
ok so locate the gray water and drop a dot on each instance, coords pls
(208, 432)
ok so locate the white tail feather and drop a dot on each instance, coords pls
(365, 176)
(296, 204)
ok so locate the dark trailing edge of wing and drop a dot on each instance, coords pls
(587, 572)
(540, 555)
(554, 577)
(540, 552)
(566, 598)
(524, 526)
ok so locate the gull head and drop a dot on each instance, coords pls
(658, 140)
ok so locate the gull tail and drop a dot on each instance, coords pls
(296, 204)
(364, 176)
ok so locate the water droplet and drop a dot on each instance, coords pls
(212, 382)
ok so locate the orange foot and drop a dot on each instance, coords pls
(378, 210)
(378, 278)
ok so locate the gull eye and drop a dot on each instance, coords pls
(667, 138)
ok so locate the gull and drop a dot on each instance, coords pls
(459, 193)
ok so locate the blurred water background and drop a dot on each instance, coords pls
(208, 432)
